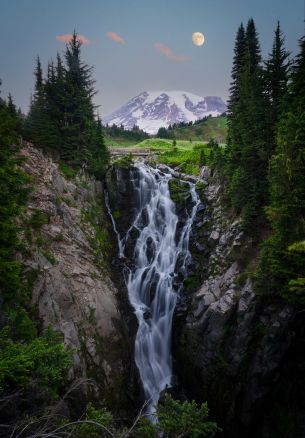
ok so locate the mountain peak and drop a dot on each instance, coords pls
(152, 109)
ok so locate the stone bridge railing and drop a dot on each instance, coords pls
(121, 151)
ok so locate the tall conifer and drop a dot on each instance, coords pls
(282, 267)
(276, 77)
(79, 110)
(246, 155)
(238, 64)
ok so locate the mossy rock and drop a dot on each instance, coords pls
(180, 192)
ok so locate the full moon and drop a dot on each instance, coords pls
(198, 38)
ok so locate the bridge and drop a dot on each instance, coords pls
(137, 152)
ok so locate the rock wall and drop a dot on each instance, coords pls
(66, 242)
(233, 347)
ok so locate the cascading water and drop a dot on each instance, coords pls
(160, 257)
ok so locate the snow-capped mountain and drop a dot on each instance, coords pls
(152, 109)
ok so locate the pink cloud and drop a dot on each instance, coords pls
(166, 51)
(68, 37)
(115, 37)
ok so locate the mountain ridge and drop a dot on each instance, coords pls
(150, 110)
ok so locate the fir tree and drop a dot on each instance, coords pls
(16, 115)
(247, 162)
(98, 153)
(61, 115)
(238, 65)
(252, 47)
(277, 72)
(283, 264)
(12, 197)
(39, 126)
(276, 77)
(11, 107)
(79, 109)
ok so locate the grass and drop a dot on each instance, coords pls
(162, 145)
(188, 161)
(212, 127)
(187, 156)
(158, 144)
(118, 141)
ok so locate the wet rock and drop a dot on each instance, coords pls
(214, 236)
(147, 315)
(200, 247)
(201, 207)
(205, 172)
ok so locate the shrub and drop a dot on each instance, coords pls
(66, 170)
(38, 219)
(42, 362)
(177, 419)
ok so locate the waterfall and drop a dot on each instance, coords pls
(161, 258)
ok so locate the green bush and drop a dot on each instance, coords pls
(188, 161)
(38, 219)
(95, 424)
(124, 162)
(177, 419)
(66, 170)
(42, 362)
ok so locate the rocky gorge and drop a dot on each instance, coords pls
(231, 347)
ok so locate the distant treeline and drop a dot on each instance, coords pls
(202, 129)
(195, 122)
(114, 131)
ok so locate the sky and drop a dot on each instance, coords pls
(138, 45)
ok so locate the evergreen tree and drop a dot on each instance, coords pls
(247, 162)
(165, 133)
(16, 115)
(277, 73)
(12, 197)
(252, 47)
(276, 77)
(60, 93)
(39, 127)
(238, 64)
(61, 115)
(98, 153)
(11, 107)
(52, 108)
(79, 109)
(283, 263)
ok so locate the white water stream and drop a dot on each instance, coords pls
(160, 252)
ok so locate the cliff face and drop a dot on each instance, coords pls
(232, 347)
(66, 241)
(242, 352)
